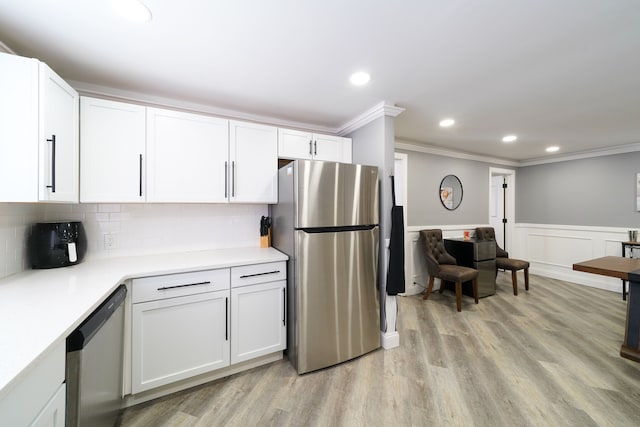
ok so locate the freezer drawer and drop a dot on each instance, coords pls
(336, 298)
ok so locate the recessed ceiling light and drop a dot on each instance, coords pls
(360, 78)
(552, 149)
(509, 138)
(133, 10)
(447, 122)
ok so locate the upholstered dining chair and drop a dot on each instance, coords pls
(503, 261)
(442, 265)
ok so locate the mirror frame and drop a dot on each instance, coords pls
(449, 200)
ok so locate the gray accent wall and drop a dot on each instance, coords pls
(599, 191)
(426, 171)
(373, 145)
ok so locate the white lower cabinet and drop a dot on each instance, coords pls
(53, 414)
(180, 327)
(258, 320)
(187, 324)
(39, 398)
(178, 338)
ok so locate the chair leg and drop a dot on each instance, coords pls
(526, 278)
(429, 288)
(441, 289)
(474, 284)
(459, 296)
(514, 281)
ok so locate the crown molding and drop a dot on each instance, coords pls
(6, 49)
(600, 152)
(429, 149)
(379, 110)
(99, 91)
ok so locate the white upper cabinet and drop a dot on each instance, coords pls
(294, 144)
(187, 157)
(112, 155)
(253, 155)
(133, 153)
(38, 133)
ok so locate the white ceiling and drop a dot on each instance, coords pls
(553, 72)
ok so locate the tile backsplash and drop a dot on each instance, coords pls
(15, 220)
(133, 229)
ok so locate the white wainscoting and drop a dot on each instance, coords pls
(550, 249)
(553, 249)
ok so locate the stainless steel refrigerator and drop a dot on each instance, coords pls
(326, 220)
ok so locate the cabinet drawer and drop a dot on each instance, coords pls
(181, 284)
(258, 273)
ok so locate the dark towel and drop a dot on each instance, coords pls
(395, 274)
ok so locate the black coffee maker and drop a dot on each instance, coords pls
(57, 244)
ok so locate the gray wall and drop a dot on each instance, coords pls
(426, 171)
(373, 145)
(599, 191)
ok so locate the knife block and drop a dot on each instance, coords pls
(265, 241)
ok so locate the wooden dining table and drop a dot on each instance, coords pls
(626, 269)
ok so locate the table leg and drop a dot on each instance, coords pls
(631, 347)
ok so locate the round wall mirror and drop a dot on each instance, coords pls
(451, 192)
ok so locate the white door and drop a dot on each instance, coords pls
(253, 155)
(177, 338)
(497, 208)
(294, 144)
(502, 208)
(59, 161)
(331, 148)
(112, 140)
(187, 157)
(258, 319)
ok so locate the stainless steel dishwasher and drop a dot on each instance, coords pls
(94, 365)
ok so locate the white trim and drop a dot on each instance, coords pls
(599, 152)
(380, 110)
(429, 149)
(6, 48)
(389, 340)
(158, 101)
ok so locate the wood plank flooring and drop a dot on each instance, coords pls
(548, 357)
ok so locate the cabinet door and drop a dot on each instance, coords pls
(331, 148)
(59, 162)
(187, 157)
(258, 319)
(112, 138)
(18, 129)
(177, 338)
(53, 414)
(253, 153)
(294, 144)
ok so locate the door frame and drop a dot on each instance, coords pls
(510, 176)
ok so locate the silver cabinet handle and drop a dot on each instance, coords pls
(315, 148)
(164, 288)
(53, 163)
(310, 151)
(284, 306)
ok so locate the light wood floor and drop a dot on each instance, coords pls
(548, 357)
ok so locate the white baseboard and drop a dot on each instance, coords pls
(390, 339)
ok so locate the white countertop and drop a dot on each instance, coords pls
(38, 308)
